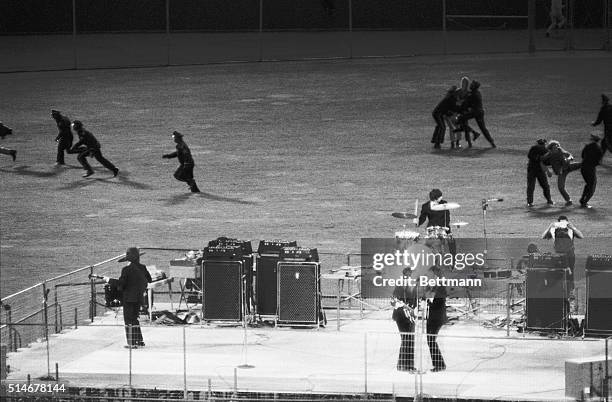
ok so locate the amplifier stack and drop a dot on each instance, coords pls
(266, 281)
(222, 283)
(599, 295)
(546, 304)
(299, 302)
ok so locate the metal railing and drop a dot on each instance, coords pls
(251, 363)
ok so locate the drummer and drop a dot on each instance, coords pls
(437, 218)
(434, 218)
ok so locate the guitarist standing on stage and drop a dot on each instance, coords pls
(404, 303)
(133, 284)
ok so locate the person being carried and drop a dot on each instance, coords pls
(472, 108)
(562, 164)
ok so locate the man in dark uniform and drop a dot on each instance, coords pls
(537, 171)
(436, 317)
(605, 116)
(133, 284)
(4, 131)
(472, 109)
(404, 302)
(591, 157)
(434, 218)
(445, 108)
(185, 169)
(88, 145)
(64, 135)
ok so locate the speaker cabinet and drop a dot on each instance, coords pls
(546, 299)
(223, 293)
(266, 292)
(599, 296)
(298, 293)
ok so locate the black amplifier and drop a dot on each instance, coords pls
(274, 246)
(299, 254)
(227, 252)
(245, 245)
(600, 262)
(550, 260)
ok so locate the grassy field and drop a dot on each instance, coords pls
(321, 152)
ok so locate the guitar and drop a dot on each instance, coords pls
(408, 311)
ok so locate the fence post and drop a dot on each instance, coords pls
(607, 379)
(92, 298)
(365, 363)
(167, 32)
(531, 14)
(9, 324)
(184, 364)
(74, 37)
(56, 308)
(46, 325)
(444, 35)
(260, 35)
(350, 21)
(607, 15)
(129, 327)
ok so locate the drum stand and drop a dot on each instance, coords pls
(485, 206)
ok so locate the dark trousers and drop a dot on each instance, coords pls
(132, 326)
(440, 130)
(606, 143)
(540, 176)
(185, 173)
(405, 361)
(479, 117)
(61, 147)
(589, 175)
(563, 175)
(97, 154)
(433, 327)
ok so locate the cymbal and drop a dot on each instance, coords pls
(403, 215)
(459, 224)
(445, 207)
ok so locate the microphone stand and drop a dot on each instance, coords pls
(485, 205)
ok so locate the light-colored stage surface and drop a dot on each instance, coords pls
(358, 358)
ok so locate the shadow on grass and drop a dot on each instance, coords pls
(464, 152)
(181, 198)
(121, 179)
(24, 170)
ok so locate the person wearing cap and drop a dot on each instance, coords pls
(563, 232)
(4, 131)
(591, 157)
(64, 135)
(472, 109)
(537, 171)
(133, 284)
(605, 116)
(87, 146)
(185, 170)
(561, 162)
(445, 108)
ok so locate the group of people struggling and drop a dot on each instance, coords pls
(88, 146)
(547, 153)
(458, 106)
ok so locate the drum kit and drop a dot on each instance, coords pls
(432, 232)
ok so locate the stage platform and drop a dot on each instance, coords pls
(357, 358)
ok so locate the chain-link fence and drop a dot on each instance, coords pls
(74, 34)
